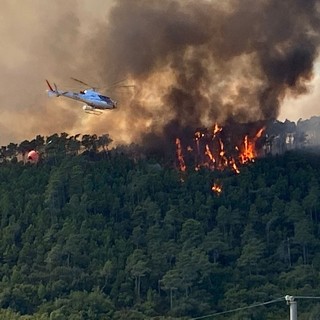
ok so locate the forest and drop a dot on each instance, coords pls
(93, 232)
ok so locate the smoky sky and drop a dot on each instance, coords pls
(193, 63)
(238, 60)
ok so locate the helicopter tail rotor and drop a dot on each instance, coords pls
(53, 92)
(49, 85)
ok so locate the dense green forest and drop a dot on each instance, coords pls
(93, 233)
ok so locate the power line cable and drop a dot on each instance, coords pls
(305, 297)
(239, 309)
(253, 306)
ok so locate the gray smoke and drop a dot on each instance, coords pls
(193, 63)
(233, 60)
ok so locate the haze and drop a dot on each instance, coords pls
(186, 74)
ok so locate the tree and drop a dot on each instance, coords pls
(106, 273)
(104, 141)
(214, 244)
(311, 201)
(171, 281)
(12, 149)
(24, 147)
(251, 254)
(55, 194)
(89, 142)
(73, 145)
(223, 220)
(191, 234)
(304, 235)
(137, 267)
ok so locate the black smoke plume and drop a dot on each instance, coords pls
(213, 60)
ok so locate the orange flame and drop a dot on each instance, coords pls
(259, 133)
(216, 129)
(180, 156)
(248, 153)
(216, 153)
(234, 166)
(216, 188)
(209, 154)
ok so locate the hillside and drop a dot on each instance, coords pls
(110, 235)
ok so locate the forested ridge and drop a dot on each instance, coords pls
(106, 234)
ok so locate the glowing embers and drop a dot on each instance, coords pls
(217, 188)
(182, 164)
(224, 148)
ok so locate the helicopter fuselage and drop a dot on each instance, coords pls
(91, 98)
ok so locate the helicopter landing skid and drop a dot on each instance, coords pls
(94, 112)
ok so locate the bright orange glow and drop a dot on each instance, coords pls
(234, 166)
(209, 154)
(216, 129)
(221, 149)
(248, 152)
(259, 133)
(216, 188)
(180, 156)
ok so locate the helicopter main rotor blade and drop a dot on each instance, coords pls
(81, 82)
(116, 83)
(119, 85)
(127, 86)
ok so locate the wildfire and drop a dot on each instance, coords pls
(234, 166)
(216, 188)
(220, 149)
(216, 129)
(209, 154)
(248, 151)
(182, 164)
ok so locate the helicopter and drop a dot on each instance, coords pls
(94, 101)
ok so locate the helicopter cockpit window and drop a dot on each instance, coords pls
(104, 98)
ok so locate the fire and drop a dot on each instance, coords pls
(216, 188)
(209, 154)
(221, 149)
(249, 153)
(259, 133)
(180, 155)
(216, 129)
(234, 166)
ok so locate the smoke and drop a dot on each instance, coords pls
(42, 40)
(199, 62)
(193, 63)
(211, 62)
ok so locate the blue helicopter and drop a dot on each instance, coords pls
(95, 102)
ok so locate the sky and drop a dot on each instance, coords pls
(103, 41)
(45, 40)
(306, 105)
